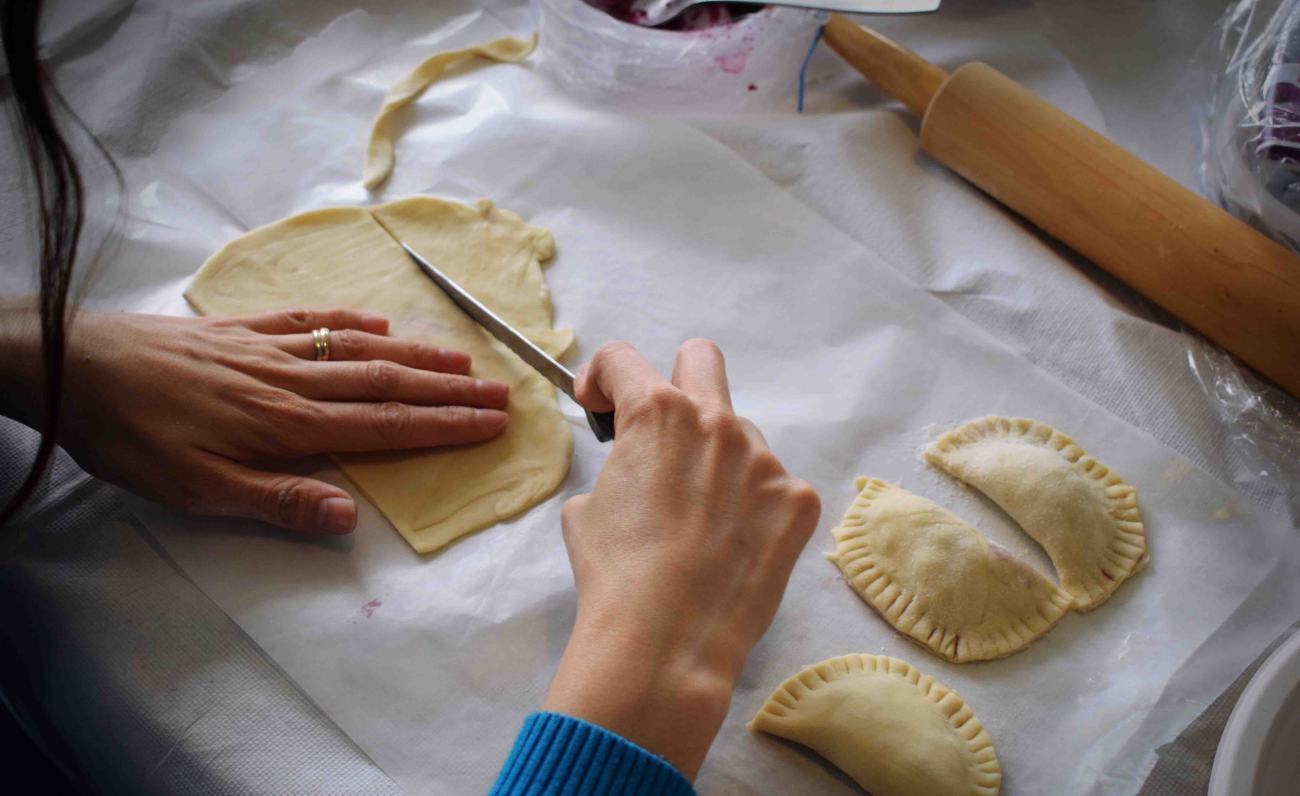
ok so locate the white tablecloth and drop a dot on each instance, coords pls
(133, 70)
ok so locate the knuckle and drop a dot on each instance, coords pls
(752, 432)
(283, 500)
(767, 465)
(445, 387)
(722, 424)
(285, 419)
(267, 368)
(278, 405)
(666, 398)
(611, 348)
(804, 498)
(460, 415)
(298, 317)
(660, 401)
(304, 414)
(421, 352)
(392, 419)
(279, 355)
(347, 342)
(383, 377)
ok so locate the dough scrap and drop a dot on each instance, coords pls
(1083, 514)
(895, 731)
(938, 580)
(379, 153)
(343, 257)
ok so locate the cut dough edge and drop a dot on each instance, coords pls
(539, 245)
(380, 151)
(1126, 550)
(983, 768)
(901, 605)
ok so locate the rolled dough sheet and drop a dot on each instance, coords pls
(342, 257)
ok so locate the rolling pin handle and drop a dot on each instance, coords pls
(894, 69)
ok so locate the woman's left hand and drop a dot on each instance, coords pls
(186, 411)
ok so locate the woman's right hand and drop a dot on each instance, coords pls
(187, 411)
(680, 554)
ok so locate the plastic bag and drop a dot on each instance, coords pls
(1251, 165)
(752, 63)
(1252, 132)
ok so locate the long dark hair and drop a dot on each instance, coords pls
(60, 213)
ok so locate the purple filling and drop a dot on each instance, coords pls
(709, 15)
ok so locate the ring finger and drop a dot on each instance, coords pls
(349, 345)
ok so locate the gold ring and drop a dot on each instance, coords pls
(321, 339)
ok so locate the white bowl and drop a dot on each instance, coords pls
(1259, 753)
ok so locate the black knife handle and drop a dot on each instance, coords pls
(602, 423)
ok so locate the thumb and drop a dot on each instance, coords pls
(587, 392)
(289, 501)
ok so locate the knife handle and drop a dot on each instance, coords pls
(602, 423)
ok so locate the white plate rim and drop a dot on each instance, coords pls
(1237, 760)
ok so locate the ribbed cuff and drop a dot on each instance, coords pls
(556, 754)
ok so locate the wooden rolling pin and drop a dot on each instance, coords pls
(1217, 274)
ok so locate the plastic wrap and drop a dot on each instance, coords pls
(1262, 422)
(751, 63)
(1252, 167)
(1252, 159)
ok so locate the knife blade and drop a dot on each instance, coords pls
(652, 13)
(602, 423)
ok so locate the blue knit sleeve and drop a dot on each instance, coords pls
(559, 755)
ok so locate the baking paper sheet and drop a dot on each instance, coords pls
(664, 233)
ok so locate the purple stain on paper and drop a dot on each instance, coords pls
(369, 608)
(732, 64)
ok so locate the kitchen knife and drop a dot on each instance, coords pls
(602, 423)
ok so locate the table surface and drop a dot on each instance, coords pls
(147, 686)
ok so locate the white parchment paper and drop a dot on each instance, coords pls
(430, 663)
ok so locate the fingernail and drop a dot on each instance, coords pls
(336, 515)
(457, 361)
(492, 393)
(491, 419)
(377, 323)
